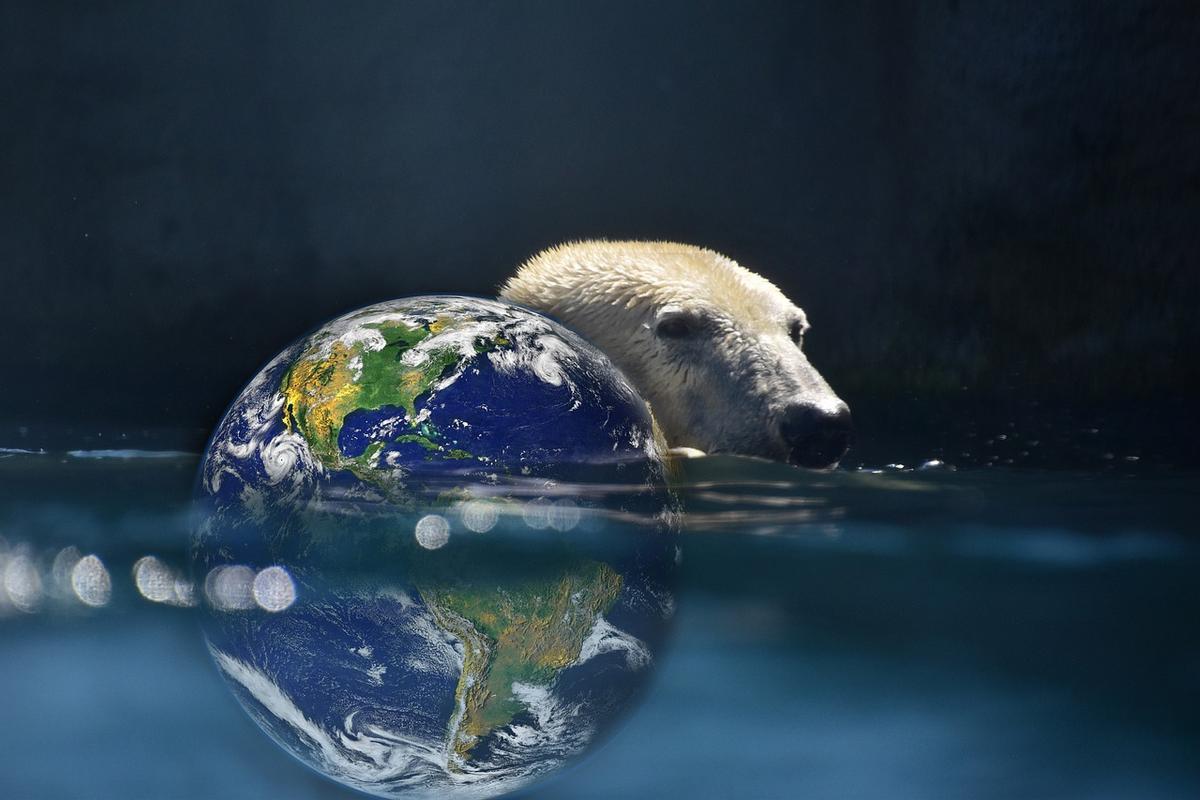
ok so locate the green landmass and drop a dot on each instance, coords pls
(320, 390)
(524, 630)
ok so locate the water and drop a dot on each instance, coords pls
(892, 634)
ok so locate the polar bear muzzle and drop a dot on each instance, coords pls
(816, 437)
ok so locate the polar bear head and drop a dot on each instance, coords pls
(715, 349)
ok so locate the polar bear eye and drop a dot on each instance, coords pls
(678, 326)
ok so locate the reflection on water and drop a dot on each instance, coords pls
(881, 634)
(420, 657)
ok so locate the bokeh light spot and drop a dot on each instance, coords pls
(536, 513)
(564, 515)
(479, 515)
(273, 589)
(155, 581)
(433, 531)
(22, 583)
(91, 582)
(61, 571)
(230, 588)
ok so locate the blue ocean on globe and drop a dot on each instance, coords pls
(405, 586)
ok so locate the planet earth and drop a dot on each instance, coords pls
(436, 548)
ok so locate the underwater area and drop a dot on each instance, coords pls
(866, 632)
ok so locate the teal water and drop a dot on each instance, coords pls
(855, 634)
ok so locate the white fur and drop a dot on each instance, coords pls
(724, 391)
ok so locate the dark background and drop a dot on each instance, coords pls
(990, 211)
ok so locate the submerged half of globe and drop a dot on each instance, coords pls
(436, 548)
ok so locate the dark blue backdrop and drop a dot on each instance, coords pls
(1001, 197)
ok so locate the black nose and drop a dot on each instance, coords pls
(816, 437)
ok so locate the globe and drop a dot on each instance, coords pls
(436, 548)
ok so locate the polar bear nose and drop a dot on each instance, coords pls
(816, 437)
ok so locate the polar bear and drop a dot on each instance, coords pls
(714, 348)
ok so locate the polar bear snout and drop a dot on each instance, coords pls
(816, 437)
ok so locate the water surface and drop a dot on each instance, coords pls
(873, 634)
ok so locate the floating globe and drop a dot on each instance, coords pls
(435, 548)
